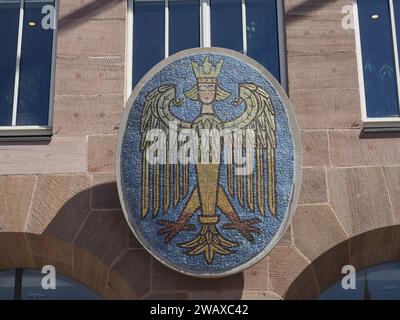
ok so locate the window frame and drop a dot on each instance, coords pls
(375, 123)
(205, 37)
(32, 131)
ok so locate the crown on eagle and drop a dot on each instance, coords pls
(207, 70)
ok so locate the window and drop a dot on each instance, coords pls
(7, 283)
(26, 284)
(378, 34)
(158, 29)
(381, 282)
(26, 66)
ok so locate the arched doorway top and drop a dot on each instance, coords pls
(361, 251)
(25, 250)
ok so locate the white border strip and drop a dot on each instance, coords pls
(201, 23)
(205, 23)
(129, 50)
(244, 27)
(395, 48)
(18, 63)
(166, 29)
(359, 62)
(53, 64)
(280, 13)
(24, 132)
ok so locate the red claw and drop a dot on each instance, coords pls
(245, 227)
(171, 229)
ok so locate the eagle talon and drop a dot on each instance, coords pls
(245, 227)
(171, 229)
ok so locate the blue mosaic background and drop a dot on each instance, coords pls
(179, 73)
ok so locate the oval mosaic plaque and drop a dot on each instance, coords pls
(208, 162)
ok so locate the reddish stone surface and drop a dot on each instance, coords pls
(313, 187)
(58, 200)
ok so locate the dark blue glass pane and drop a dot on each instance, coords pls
(226, 24)
(262, 34)
(66, 289)
(378, 59)
(35, 72)
(148, 38)
(7, 283)
(184, 25)
(380, 282)
(9, 17)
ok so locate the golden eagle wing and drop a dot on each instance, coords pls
(259, 115)
(157, 196)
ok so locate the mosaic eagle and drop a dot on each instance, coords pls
(165, 184)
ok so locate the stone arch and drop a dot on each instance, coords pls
(75, 228)
(27, 250)
(362, 251)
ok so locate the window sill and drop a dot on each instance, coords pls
(381, 124)
(25, 133)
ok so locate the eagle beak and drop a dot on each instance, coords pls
(177, 102)
(236, 102)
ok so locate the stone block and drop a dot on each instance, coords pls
(316, 230)
(360, 198)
